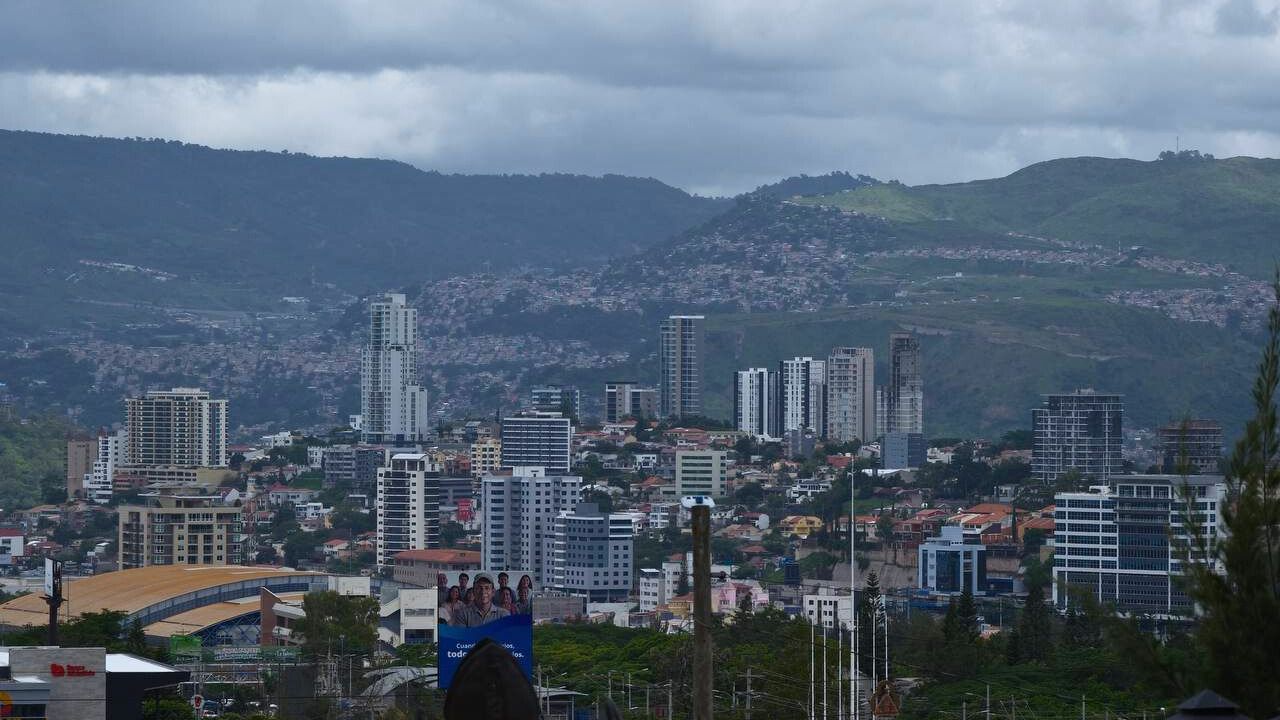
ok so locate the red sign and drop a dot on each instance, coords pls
(59, 670)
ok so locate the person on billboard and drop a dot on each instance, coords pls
(526, 583)
(483, 610)
(462, 583)
(442, 589)
(503, 579)
(524, 601)
(452, 605)
(507, 600)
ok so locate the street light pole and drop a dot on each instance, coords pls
(702, 670)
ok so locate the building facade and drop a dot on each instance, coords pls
(680, 349)
(702, 472)
(952, 562)
(393, 407)
(486, 457)
(755, 402)
(353, 466)
(1122, 543)
(1079, 431)
(182, 427)
(1192, 447)
(537, 440)
(626, 399)
(904, 450)
(851, 395)
(802, 385)
(830, 610)
(82, 452)
(419, 568)
(591, 554)
(408, 505)
(903, 395)
(557, 398)
(519, 512)
(172, 529)
(99, 483)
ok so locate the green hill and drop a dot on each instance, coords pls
(1210, 210)
(233, 229)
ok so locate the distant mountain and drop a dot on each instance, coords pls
(237, 225)
(1193, 207)
(807, 186)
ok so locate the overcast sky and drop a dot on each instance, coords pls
(715, 97)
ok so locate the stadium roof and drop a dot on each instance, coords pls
(147, 592)
(193, 621)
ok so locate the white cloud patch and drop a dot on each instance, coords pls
(715, 96)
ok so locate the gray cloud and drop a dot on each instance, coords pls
(715, 96)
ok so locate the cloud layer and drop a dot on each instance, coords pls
(713, 96)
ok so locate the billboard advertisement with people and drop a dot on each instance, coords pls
(484, 604)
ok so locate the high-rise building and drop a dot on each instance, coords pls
(953, 562)
(393, 407)
(755, 402)
(99, 482)
(801, 391)
(1078, 431)
(537, 440)
(177, 529)
(182, 427)
(851, 401)
(591, 554)
(486, 457)
(408, 505)
(904, 450)
(81, 454)
(902, 408)
(557, 398)
(1121, 544)
(702, 472)
(353, 466)
(519, 512)
(680, 350)
(626, 399)
(1192, 447)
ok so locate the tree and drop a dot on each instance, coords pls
(1035, 628)
(1238, 629)
(167, 708)
(870, 610)
(750, 494)
(266, 556)
(451, 533)
(335, 621)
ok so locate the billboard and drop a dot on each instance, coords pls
(513, 632)
(513, 591)
(479, 604)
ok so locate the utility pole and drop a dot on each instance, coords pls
(988, 701)
(748, 694)
(53, 596)
(671, 703)
(702, 670)
(629, 703)
(839, 665)
(825, 714)
(812, 677)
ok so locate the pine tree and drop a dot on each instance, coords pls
(1238, 630)
(967, 616)
(1035, 628)
(870, 608)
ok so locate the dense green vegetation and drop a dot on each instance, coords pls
(33, 454)
(241, 229)
(1191, 207)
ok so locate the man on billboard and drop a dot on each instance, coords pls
(483, 610)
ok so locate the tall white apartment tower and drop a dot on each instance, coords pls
(755, 402)
(537, 439)
(680, 350)
(592, 554)
(181, 427)
(408, 505)
(851, 397)
(904, 394)
(393, 407)
(801, 390)
(99, 482)
(519, 513)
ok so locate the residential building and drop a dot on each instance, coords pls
(393, 407)
(519, 512)
(352, 466)
(537, 440)
(903, 450)
(701, 472)
(82, 452)
(182, 427)
(829, 610)
(486, 457)
(179, 529)
(557, 398)
(680, 349)
(802, 385)
(952, 562)
(1121, 543)
(99, 483)
(1191, 446)
(755, 402)
(420, 567)
(902, 408)
(591, 554)
(408, 505)
(850, 401)
(1078, 431)
(12, 546)
(626, 399)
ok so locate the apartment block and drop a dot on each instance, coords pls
(1190, 447)
(393, 407)
(408, 505)
(175, 529)
(519, 512)
(851, 399)
(591, 554)
(1079, 431)
(537, 440)
(182, 427)
(680, 359)
(702, 472)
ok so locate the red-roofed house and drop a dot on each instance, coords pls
(420, 567)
